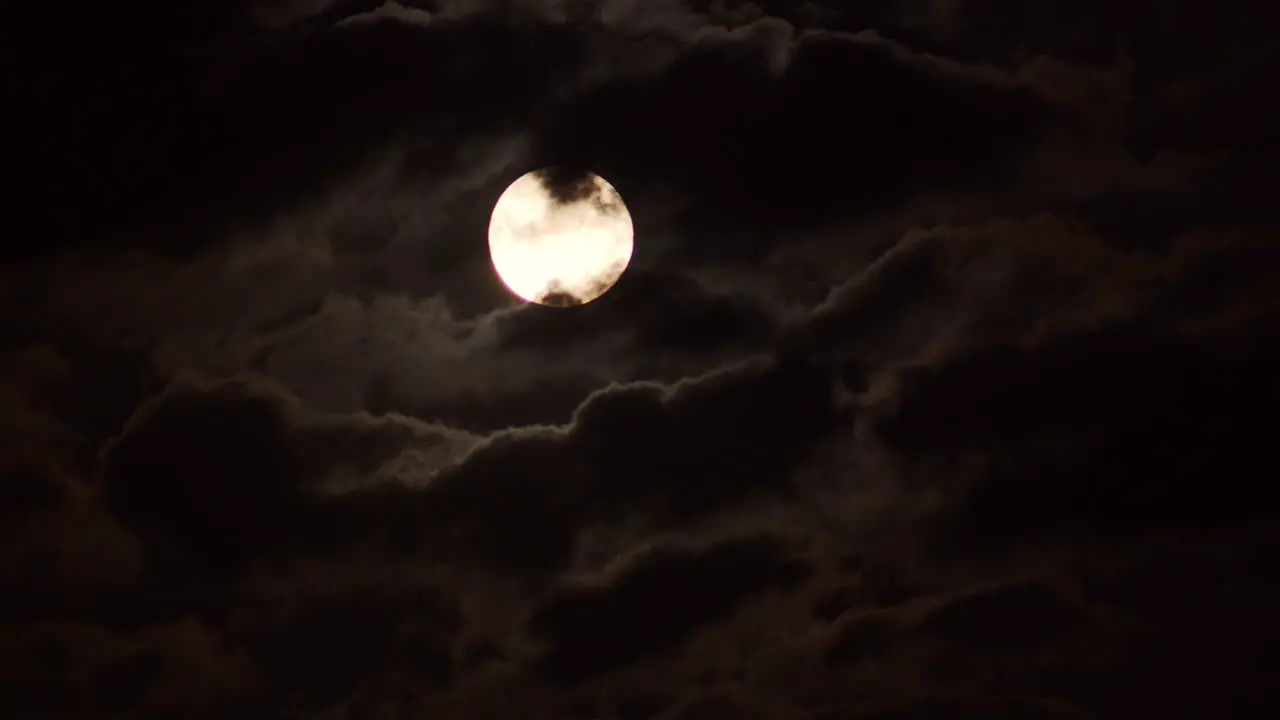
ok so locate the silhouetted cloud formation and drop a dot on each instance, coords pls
(660, 600)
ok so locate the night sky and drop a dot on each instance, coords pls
(942, 384)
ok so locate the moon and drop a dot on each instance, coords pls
(559, 238)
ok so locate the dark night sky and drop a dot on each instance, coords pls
(942, 384)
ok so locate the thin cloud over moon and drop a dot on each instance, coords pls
(560, 240)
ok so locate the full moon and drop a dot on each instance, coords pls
(560, 240)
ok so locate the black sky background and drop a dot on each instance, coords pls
(942, 383)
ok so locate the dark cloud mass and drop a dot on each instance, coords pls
(657, 602)
(569, 185)
(939, 385)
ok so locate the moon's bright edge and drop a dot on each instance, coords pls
(559, 253)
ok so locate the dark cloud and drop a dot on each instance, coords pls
(873, 587)
(986, 623)
(959, 708)
(863, 639)
(373, 636)
(569, 185)
(677, 314)
(553, 401)
(1010, 617)
(211, 474)
(1107, 433)
(748, 146)
(170, 147)
(1200, 623)
(660, 310)
(169, 669)
(555, 296)
(669, 454)
(27, 488)
(218, 477)
(730, 700)
(661, 598)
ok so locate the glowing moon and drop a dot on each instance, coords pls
(560, 240)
